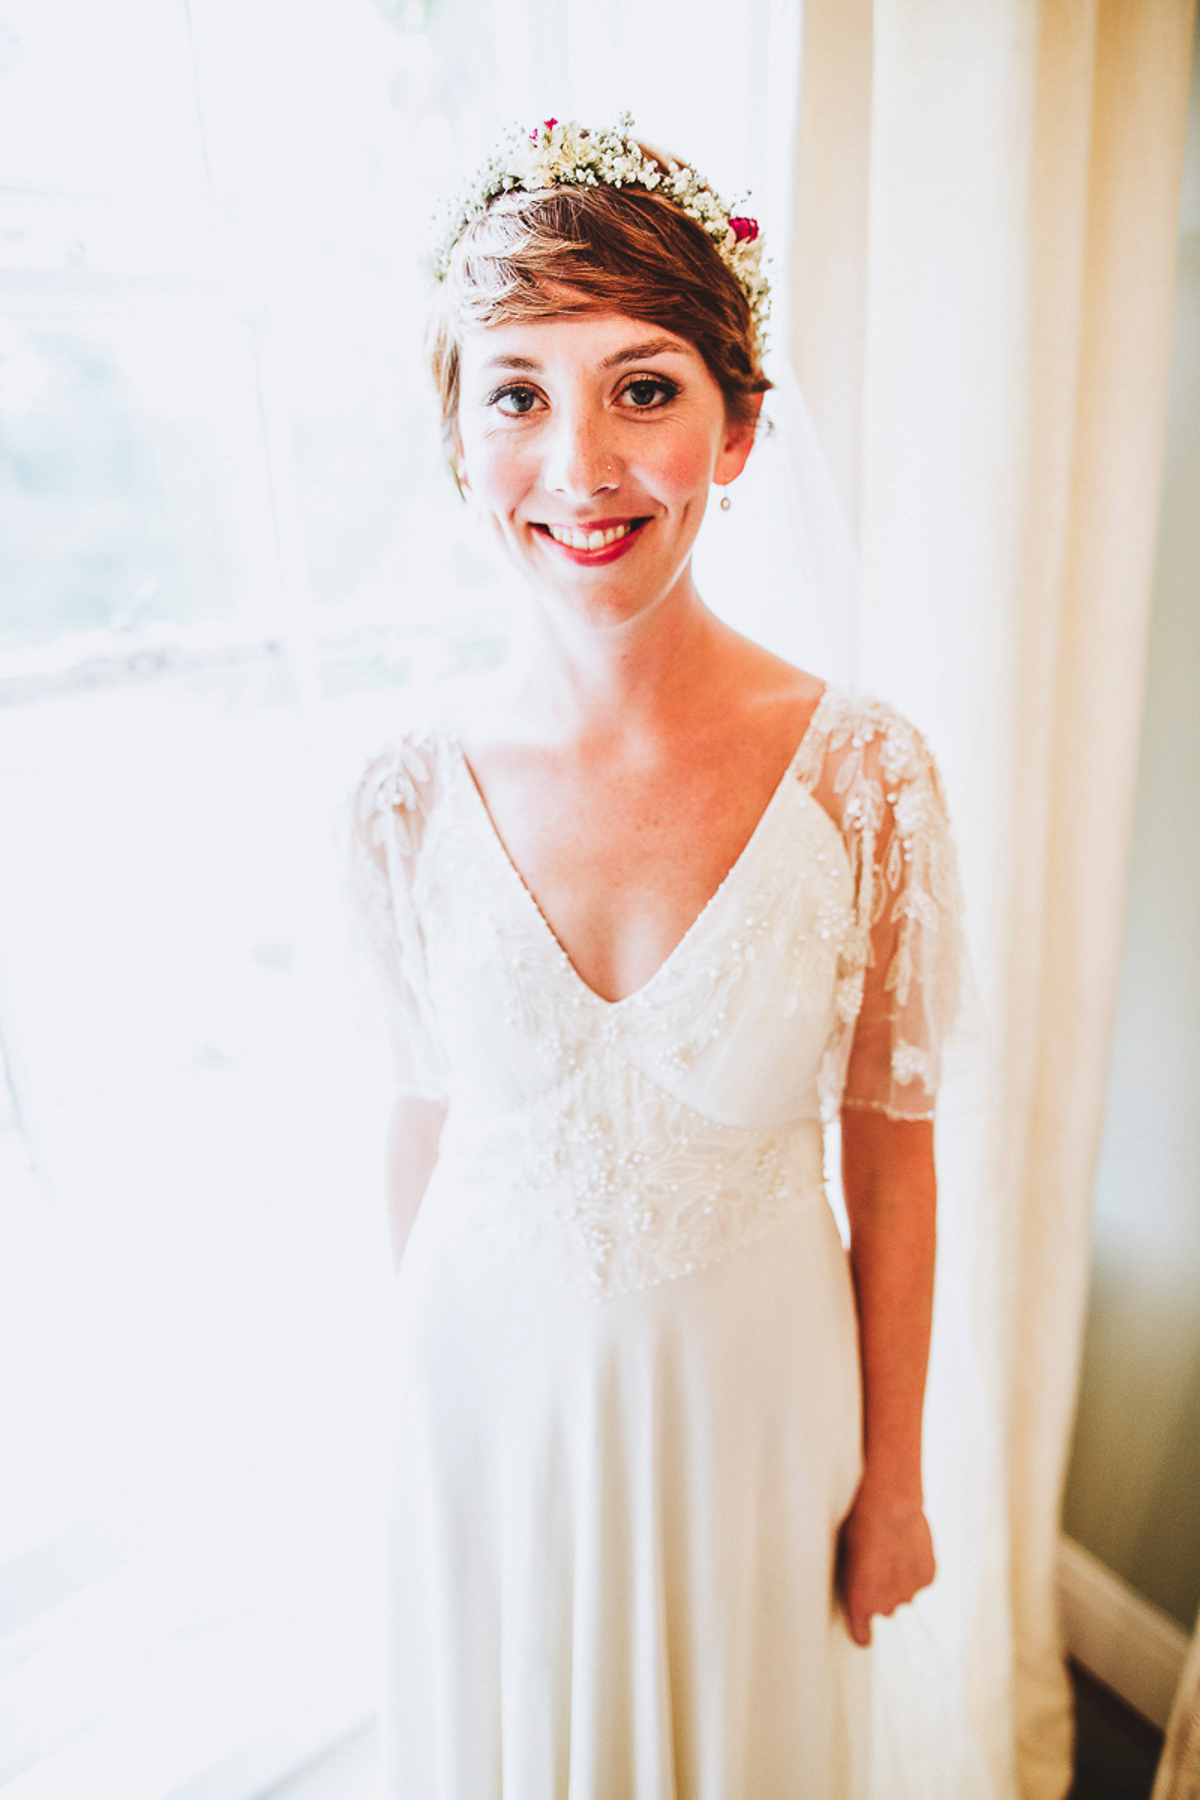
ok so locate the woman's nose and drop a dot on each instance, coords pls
(581, 457)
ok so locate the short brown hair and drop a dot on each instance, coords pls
(622, 249)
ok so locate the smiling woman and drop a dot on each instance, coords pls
(590, 445)
(658, 909)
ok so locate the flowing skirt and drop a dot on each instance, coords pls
(614, 1525)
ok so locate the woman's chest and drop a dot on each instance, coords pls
(735, 1016)
(622, 862)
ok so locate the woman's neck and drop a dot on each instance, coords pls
(640, 678)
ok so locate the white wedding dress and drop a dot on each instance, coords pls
(627, 1381)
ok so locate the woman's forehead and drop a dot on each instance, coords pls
(588, 335)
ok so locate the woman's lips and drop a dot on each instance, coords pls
(595, 541)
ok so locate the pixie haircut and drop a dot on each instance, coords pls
(621, 250)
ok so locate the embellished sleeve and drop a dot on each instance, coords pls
(387, 821)
(902, 975)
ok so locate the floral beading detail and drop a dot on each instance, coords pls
(613, 1185)
(909, 1064)
(388, 799)
(804, 939)
(616, 1145)
(896, 832)
(384, 810)
(558, 154)
(388, 810)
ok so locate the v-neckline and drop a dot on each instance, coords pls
(500, 849)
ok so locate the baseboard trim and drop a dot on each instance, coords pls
(1119, 1636)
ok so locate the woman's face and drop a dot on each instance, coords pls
(591, 441)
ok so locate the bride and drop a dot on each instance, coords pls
(646, 921)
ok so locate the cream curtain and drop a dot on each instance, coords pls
(982, 277)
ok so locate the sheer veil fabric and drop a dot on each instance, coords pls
(782, 559)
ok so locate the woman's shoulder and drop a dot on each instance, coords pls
(398, 788)
(840, 718)
(872, 735)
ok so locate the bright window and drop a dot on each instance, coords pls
(223, 518)
(228, 559)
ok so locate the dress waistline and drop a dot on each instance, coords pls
(628, 1191)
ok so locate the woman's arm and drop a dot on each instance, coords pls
(886, 1553)
(412, 1149)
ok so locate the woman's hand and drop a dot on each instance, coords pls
(885, 1556)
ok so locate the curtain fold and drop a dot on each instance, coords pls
(982, 321)
(1141, 62)
(829, 232)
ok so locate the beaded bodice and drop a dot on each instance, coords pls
(629, 1142)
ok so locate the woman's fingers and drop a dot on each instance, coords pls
(883, 1563)
(858, 1624)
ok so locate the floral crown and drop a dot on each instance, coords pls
(570, 155)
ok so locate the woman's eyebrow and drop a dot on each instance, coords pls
(636, 352)
(633, 353)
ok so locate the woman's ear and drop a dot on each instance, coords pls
(458, 467)
(737, 444)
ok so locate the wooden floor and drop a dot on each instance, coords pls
(1116, 1750)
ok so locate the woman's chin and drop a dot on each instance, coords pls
(603, 593)
(604, 604)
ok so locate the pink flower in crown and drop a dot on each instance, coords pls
(744, 230)
(546, 125)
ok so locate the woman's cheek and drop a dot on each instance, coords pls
(683, 468)
(498, 477)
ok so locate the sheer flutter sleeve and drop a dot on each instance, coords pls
(387, 822)
(903, 971)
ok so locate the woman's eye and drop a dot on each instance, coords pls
(515, 401)
(646, 392)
